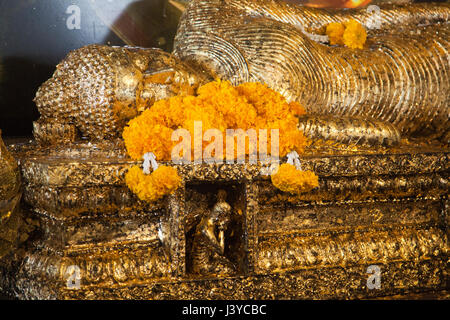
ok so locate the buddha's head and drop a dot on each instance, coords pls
(100, 88)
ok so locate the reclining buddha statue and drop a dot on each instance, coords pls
(314, 229)
(371, 95)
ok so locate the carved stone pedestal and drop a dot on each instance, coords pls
(376, 226)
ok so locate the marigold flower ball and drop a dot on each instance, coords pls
(354, 35)
(335, 33)
(154, 186)
(350, 33)
(288, 179)
(218, 105)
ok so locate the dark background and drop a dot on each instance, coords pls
(34, 37)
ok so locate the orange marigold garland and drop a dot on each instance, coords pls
(288, 179)
(217, 105)
(154, 186)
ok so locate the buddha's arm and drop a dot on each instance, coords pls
(394, 79)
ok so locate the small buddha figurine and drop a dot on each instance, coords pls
(209, 241)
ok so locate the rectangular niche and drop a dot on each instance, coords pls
(201, 201)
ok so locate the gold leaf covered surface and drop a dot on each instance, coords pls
(395, 78)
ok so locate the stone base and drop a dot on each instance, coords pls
(376, 213)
